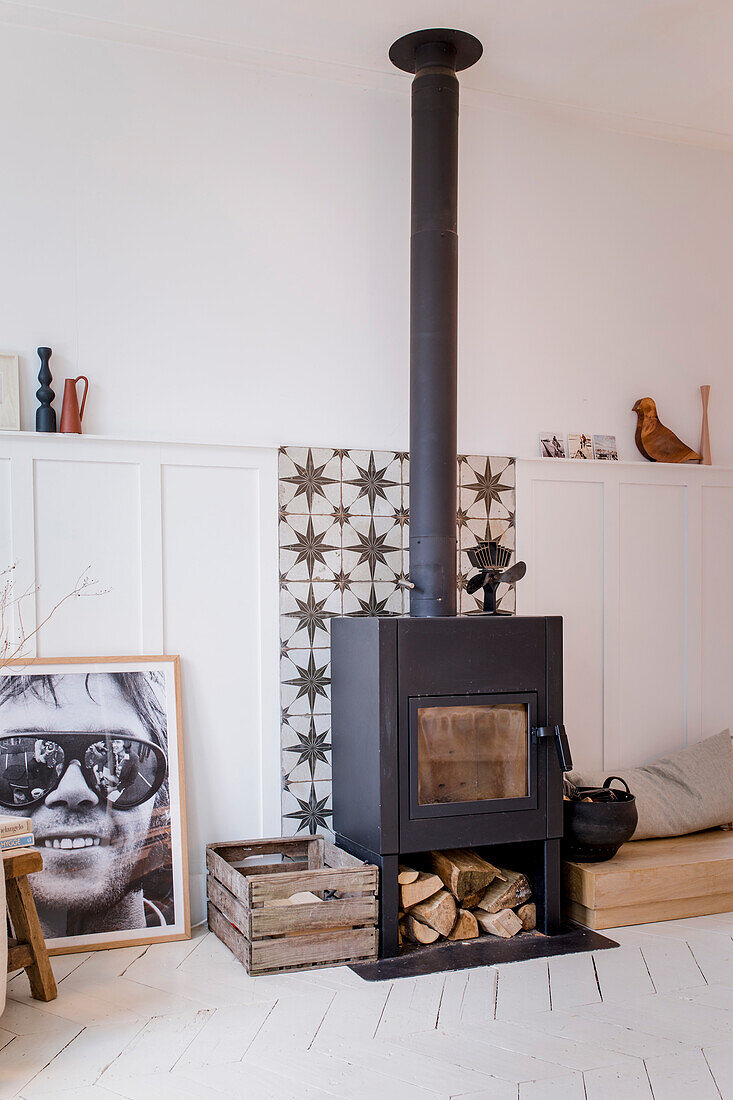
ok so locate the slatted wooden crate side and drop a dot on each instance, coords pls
(271, 938)
(221, 860)
(267, 888)
(308, 951)
(337, 857)
(236, 850)
(235, 911)
(295, 919)
(238, 944)
(294, 953)
(228, 876)
(316, 853)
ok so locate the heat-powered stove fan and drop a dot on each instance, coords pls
(491, 559)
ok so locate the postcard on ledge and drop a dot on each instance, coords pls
(604, 448)
(552, 445)
(580, 446)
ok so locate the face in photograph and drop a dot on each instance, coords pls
(89, 778)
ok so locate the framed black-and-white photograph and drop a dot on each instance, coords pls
(9, 393)
(91, 752)
(604, 448)
(552, 445)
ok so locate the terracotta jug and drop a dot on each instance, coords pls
(71, 414)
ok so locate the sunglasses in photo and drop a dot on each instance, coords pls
(122, 771)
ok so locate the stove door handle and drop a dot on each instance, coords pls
(561, 743)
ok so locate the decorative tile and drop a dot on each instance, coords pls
(309, 480)
(486, 486)
(306, 610)
(474, 604)
(405, 460)
(372, 549)
(506, 598)
(481, 529)
(310, 548)
(379, 598)
(305, 681)
(371, 482)
(344, 549)
(306, 808)
(306, 748)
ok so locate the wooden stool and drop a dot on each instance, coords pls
(28, 950)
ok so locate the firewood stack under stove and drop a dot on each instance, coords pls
(462, 896)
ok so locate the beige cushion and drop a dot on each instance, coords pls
(682, 793)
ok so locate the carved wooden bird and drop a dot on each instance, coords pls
(656, 442)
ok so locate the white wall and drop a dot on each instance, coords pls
(224, 249)
(637, 561)
(182, 541)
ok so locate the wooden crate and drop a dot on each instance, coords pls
(243, 890)
(653, 880)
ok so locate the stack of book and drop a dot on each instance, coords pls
(15, 832)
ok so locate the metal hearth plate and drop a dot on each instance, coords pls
(415, 960)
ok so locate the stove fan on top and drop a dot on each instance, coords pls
(491, 559)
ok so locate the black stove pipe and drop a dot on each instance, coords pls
(434, 56)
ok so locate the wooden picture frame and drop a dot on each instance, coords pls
(9, 393)
(111, 729)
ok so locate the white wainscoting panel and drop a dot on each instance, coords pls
(212, 618)
(182, 542)
(636, 557)
(567, 579)
(6, 515)
(717, 606)
(652, 620)
(87, 516)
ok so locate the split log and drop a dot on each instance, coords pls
(506, 895)
(528, 916)
(505, 923)
(413, 892)
(462, 871)
(438, 911)
(406, 875)
(472, 900)
(416, 931)
(466, 926)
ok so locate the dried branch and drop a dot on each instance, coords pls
(11, 647)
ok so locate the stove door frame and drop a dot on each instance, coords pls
(526, 802)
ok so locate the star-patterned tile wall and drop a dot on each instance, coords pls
(344, 550)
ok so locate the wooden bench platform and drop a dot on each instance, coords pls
(653, 880)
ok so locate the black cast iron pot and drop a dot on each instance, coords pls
(594, 831)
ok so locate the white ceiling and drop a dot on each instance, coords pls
(663, 61)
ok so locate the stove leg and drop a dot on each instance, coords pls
(389, 904)
(389, 898)
(551, 922)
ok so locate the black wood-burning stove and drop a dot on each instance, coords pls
(444, 736)
(445, 729)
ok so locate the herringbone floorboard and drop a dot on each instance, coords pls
(653, 1020)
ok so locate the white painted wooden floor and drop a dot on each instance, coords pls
(177, 1021)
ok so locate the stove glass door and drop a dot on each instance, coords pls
(470, 751)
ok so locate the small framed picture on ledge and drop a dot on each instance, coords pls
(9, 394)
(604, 448)
(579, 446)
(90, 751)
(552, 445)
